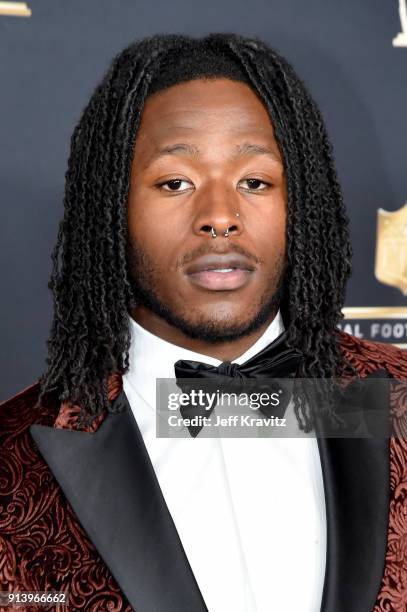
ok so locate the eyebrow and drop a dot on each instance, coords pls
(241, 150)
(248, 149)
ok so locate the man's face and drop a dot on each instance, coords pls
(206, 157)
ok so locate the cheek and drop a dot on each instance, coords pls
(144, 219)
(269, 232)
(148, 211)
(278, 222)
(140, 213)
(155, 233)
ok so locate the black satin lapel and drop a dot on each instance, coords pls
(110, 482)
(356, 474)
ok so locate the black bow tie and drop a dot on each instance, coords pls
(276, 360)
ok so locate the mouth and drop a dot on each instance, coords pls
(220, 272)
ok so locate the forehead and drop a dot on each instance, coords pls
(204, 108)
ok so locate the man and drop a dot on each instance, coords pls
(203, 225)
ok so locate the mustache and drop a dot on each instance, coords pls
(207, 249)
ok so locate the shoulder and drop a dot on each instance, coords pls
(368, 355)
(23, 409)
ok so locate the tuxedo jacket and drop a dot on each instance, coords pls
(81, 510)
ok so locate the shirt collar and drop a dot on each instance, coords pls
(151, 357)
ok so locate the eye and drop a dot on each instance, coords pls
(174, 185)
(255, 184)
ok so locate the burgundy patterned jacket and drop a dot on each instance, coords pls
(81, 510)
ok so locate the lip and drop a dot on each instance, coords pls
(204, 271)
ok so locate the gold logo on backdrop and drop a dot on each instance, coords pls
(391, 248)
(401, 39)
(15, 9)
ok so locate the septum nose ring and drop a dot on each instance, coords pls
(226, 232)
(214, 234)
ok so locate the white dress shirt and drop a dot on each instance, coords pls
(250, 512)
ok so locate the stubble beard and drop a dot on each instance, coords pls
(144, 283)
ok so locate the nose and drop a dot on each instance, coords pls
(217, 214)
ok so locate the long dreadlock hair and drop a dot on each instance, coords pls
(90, 336)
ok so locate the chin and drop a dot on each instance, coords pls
(222, 325)
(222, 315)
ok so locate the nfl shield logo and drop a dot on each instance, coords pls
(391, 248)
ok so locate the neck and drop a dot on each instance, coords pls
(225, 351)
